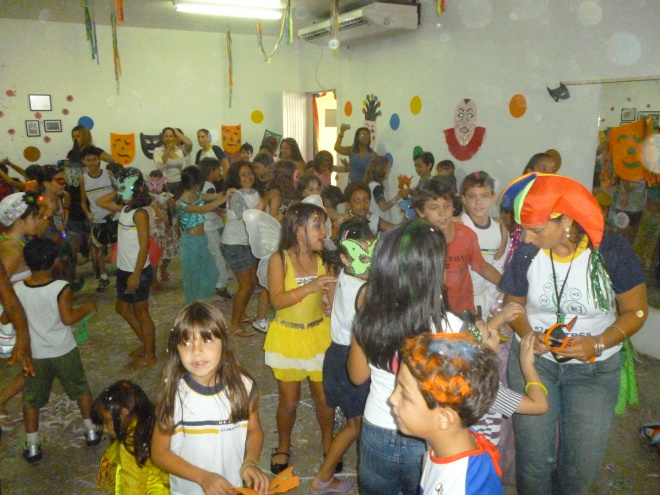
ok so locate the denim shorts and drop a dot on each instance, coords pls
(238, 256)
(141, 293)
(390, 462)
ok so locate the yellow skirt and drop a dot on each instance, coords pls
(295, 354)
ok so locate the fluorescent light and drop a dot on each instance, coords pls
(264, 4)
(227, 11)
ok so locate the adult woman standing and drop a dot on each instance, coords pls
(568, 272)
(170, 159)
(359, 155)
(209, 150)
(289, 150)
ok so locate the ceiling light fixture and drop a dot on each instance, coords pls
(250, 9)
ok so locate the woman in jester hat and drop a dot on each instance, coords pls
(567, 272)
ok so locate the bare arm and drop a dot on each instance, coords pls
(185, 140)
(358, 365)
(489, 272)
(342, 150)
(535, 400)
(14, 167)
(68, 314)
(83, 199)
(14, 310)
(107, 201)
(250, 472)
(141, 219)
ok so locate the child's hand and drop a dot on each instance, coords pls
(326, 304)
(322, 283)
(489, 336)
(90, 307)
(511, 311)
(527, 350)
(133, 282)
(255, 478)
(214, 484)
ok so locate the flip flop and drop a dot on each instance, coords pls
(243, 333)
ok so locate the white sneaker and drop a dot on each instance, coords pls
(260, 325)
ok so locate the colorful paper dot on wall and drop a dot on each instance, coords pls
(86, 121)
(395, 121)
(257, 117)
(46, 139)
(11, 93)
(11, 132)
(390, 157)
(31, 154)
(415, 105)
(69, 98)
(517, 106)
(2, 114)
(37, 115)
(348, 109)
(65, 111)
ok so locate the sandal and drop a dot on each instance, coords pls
(243, 333)
(278, 468)
(247, 319)
(345, 485)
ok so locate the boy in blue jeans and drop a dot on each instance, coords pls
(48, 304)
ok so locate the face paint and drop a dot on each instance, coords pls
(125, 188)
(360, 257)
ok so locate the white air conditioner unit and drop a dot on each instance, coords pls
(367, 23)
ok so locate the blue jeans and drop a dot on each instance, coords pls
(390, 462)
(561, 451)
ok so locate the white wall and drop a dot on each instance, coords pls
(170, 78)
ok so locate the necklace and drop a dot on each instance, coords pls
(559, 293)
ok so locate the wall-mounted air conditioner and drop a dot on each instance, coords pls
(367, 23)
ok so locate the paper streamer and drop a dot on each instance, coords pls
(115, 48)
(334, 8)
(90, 27)
(441, 7)
(230, 69)
(286, 30)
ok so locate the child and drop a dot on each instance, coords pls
(308, 185)
(160, 225)
(377, 173)
(404, 297)
(210, 150)
(263, 164)
(423, 166)
(478, 195)
(214, 225)
(355, 247)
(134, 272)
(446, 169)
(358, 197)
(445, 383)
(433, 200)
(48, 305)
(198, 267)
(299, 336)
(208, 435)
(332, 197)
(281, 190)
(127, 417)
(94, 184)
(246, 152)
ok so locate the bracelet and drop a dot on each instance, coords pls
(620, 330)
(293, 295)
(536, 383)
(246, 464)
(599, 346)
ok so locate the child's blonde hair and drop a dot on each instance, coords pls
(209, 322)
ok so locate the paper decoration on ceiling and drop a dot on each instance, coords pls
(440, 7)
(371, 113)
(257, 117)
(395, 121)
(86, 121)
(333, 44)
(417, 150)
(31, 154)
(230, 68)
(348, 109)
(231, 138)
(148, 143)
(286, 31)
(416, 105)
(631, 148)
(559, 93)
(123, 147)
(517, 106)
(273, 139)
(465, 138)
(90, 28)
(116, 18)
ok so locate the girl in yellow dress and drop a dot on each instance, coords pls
(300, 333)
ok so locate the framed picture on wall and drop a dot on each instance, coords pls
(628, 114)
(52, 126)
(32, 128)
(40, 103)
(655, 117)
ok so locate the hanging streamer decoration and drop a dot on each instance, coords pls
(90, 27)
(441, 7)
(286, 31)
(334, 8)
(116, 18)
(230, 68)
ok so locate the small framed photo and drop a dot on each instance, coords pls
(655, 117)
(52, 126)
(40, 103)
(628, 114)
(32, 128)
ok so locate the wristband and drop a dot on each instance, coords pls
(293, 295)
(538, 384)
(246, 464)
(599, 346)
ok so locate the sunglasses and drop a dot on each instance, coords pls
(60, 181)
